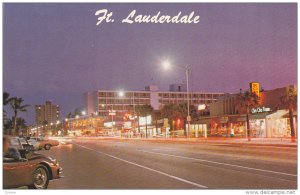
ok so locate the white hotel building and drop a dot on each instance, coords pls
(101, 101)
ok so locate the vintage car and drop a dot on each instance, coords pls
(27, 168)
(27, 140)
(44, 142)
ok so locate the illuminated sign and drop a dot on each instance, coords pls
(144, 120)
(111, 112)
(254, 87)
(260, 110)
(109, 124)
(201, 107)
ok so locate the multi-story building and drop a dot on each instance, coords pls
(47, 113)
(102, 101)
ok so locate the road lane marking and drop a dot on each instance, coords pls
(227, 164)
(147, 168)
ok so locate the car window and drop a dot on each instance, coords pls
(14, 142)
(23, 141)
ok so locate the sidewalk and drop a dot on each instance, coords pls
(278, 142)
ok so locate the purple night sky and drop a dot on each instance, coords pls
(56, 52)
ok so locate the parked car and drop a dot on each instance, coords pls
(34, 142)
(62, 140)
(45, 143)
(27, 168)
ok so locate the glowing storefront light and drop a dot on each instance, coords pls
(147, 119)
(109, 124)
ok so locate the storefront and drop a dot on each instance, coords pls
(226, 126)
(278, 124)
(258, 125)
(262, 125)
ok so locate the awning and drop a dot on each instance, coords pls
(278, 114)
(287, 114)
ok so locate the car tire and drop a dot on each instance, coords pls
(47, 147)
(40, 178)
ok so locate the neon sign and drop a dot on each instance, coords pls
(260, 110)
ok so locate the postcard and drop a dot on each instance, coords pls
(150, 96)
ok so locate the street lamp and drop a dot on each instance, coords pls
(62, 126)
(167, 65)
(121, 94)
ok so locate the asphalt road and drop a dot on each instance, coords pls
(132, 164)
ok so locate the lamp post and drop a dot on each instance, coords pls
(166, 65)
(134, 123)
(57, 123)
(187, 69)
(66, 122)
(51, 128)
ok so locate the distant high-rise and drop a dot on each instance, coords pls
(47, 113)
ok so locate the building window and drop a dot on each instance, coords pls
(102, 94)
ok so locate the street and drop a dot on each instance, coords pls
(135, 164)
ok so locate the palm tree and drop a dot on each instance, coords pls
(21, 124)
(178, 111)
(6, 121)
(6, 98)
(289, 101)
(246, 101)
(144, 110)
(6, 101)
(16, 105)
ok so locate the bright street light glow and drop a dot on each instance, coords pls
(83, 112)
(166, 64)
(121, 93)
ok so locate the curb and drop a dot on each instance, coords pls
(220, 142)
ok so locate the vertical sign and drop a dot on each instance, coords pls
(254, 87)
